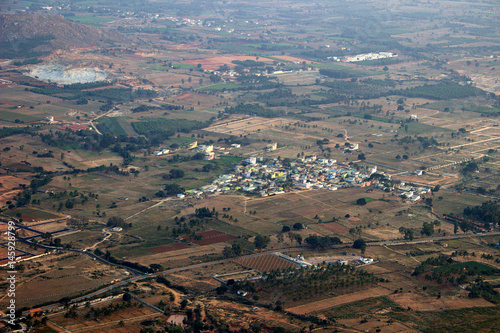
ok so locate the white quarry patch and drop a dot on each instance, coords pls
(66, 74)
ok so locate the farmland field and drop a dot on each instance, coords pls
(169, 247)
(266, 263)
(211, 237)
(338, 300)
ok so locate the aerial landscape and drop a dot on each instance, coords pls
(234, 166)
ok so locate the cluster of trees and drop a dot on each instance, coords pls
(249, 63)
(487, 213)
(169, 190)
(116, 221)
(254, 109)
(442, 90)
(322, 242)
(136, 266)
(78, 90)
(174, 174)
(234, 250)
(302, 283)
(162, 129)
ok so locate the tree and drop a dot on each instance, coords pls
(385, 69)
(127, 297)
(237, 249)
(116, 221)
(361, 157)
(285, 228)
(359, 244)
(227, 252)
(298, 226)
(361, 201)
(325, 242)
(427, 229)
(261, 242)
(409, 234)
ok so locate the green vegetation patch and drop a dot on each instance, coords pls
(112, 125)
(340, 73)
(166, 127)
(453, 321)
(473, 267)
(362, 308)
(183, 66)
(221, 86)
(441, 91)
(89, 19)
(33, 212)
(18, 117)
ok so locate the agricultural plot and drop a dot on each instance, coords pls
(120, 320)
(211, 237)
(339, 300)
(115, 126)
(266, 263)
(213, 63)
(169, 247)
(247, 125)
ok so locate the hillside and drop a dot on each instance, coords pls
(33, 35)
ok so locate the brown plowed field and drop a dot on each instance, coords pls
(169, 247)
(336, 227)
(212, 237)
(339, 300)
(265, 263)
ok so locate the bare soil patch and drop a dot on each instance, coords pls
(336, 227)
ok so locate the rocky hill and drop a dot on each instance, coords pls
(25, 35)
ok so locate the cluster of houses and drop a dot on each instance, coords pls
(412, 193)
(271, 176)
(365, 56)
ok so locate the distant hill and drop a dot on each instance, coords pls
(31, 35)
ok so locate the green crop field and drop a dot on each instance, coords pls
(113, 125)
(12, 116)
(89, 19)
(220, 86)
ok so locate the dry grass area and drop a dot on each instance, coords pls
(338, 300)
(419, 302)
(247, 126)
(56, 276)
(213, 63)
(120, 321)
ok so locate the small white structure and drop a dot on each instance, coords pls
(180, 196)
(272, 146)
(413, 117)
(161, 152)
(419, 172)
(236, 145)
(366, 260)
(117, 229)
(49, 119)
(252, 160)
